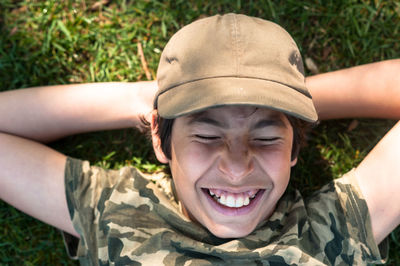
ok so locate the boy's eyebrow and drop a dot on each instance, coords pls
(206, 120)
(268, 122)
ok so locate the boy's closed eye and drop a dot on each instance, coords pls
(207, 138)
(267, 139)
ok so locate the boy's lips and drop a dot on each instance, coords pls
(232, 204)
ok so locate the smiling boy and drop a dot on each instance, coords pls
(222, 156)
(228, 116)
(230, 166)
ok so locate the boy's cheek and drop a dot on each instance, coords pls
(195, 155)
(275, 158)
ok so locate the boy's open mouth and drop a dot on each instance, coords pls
(233, 200)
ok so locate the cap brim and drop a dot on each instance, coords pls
(199, 95)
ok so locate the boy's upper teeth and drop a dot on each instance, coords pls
(233, 200)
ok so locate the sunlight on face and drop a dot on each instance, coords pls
(230, 166)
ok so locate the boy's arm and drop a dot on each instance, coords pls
(371, 90)
(31, 174)
(32, 180)
(378, 177)
(48, 113)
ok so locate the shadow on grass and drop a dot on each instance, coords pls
(110, 149)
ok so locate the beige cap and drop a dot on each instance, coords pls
(232, 60)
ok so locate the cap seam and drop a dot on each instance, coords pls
(236, 45)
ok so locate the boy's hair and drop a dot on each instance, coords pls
(164, 132)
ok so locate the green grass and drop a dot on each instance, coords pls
(58, 42)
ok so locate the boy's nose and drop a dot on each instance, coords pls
(236, 161)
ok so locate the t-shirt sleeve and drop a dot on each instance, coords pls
(85, 188)
(358, 219)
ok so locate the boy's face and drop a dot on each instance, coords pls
(230, 166)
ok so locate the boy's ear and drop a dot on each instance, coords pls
(156, 139)
(293, 162)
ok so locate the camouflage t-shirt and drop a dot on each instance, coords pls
(126, 218)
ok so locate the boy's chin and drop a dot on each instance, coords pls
(223, 231)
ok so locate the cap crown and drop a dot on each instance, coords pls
(230, 46)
